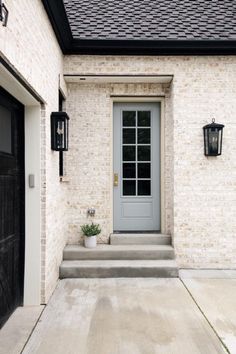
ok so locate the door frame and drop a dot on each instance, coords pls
(17, 88)
(143, 99)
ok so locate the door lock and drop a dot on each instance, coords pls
(116, 179)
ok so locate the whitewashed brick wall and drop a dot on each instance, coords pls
(89, 160)
(200, 191)
(28, 43)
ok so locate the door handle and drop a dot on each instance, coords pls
(116, 179)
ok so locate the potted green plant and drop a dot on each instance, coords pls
(90, 231)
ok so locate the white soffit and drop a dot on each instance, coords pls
(14, 87)
(118, 79)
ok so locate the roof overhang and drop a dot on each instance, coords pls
(118, 79)
(69, 45)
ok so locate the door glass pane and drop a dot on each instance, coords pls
(129, 170)
(129, 136)
(144, 136)
(144, 170)
(129, 118)
(129, 153)
(5, 130)
(144, 118)
(129, 187)
(144, 153)
(136, 153)
(144, 187)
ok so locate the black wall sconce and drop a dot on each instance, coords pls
(213, 134)
(3, 14)
(59, 131)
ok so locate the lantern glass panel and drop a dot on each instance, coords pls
(65, 135)
(60, 134)
(205, 142)
(220, 142)
(213, 142)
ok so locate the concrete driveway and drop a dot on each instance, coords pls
(138, 316)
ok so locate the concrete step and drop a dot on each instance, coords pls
(119, 269)
(119, 252)
(140, 239)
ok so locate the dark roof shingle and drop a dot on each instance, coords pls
(152, 19)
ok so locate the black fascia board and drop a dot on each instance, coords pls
(57, 15)
(153, 47)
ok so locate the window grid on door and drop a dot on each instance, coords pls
(136, 153)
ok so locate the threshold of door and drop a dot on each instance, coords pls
(137, 232)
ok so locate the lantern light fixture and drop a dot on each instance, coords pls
(3, 14)
(213, 134)
(59, 131)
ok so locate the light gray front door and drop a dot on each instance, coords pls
(136, 166)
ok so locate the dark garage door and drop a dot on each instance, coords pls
(12, 202)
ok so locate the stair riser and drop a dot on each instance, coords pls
(119, 255)
(117, 272)
(122, 240)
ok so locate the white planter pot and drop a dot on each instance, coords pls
(90, 241)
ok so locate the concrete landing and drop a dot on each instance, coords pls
(123, 316)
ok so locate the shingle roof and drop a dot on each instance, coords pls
(152, 19)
